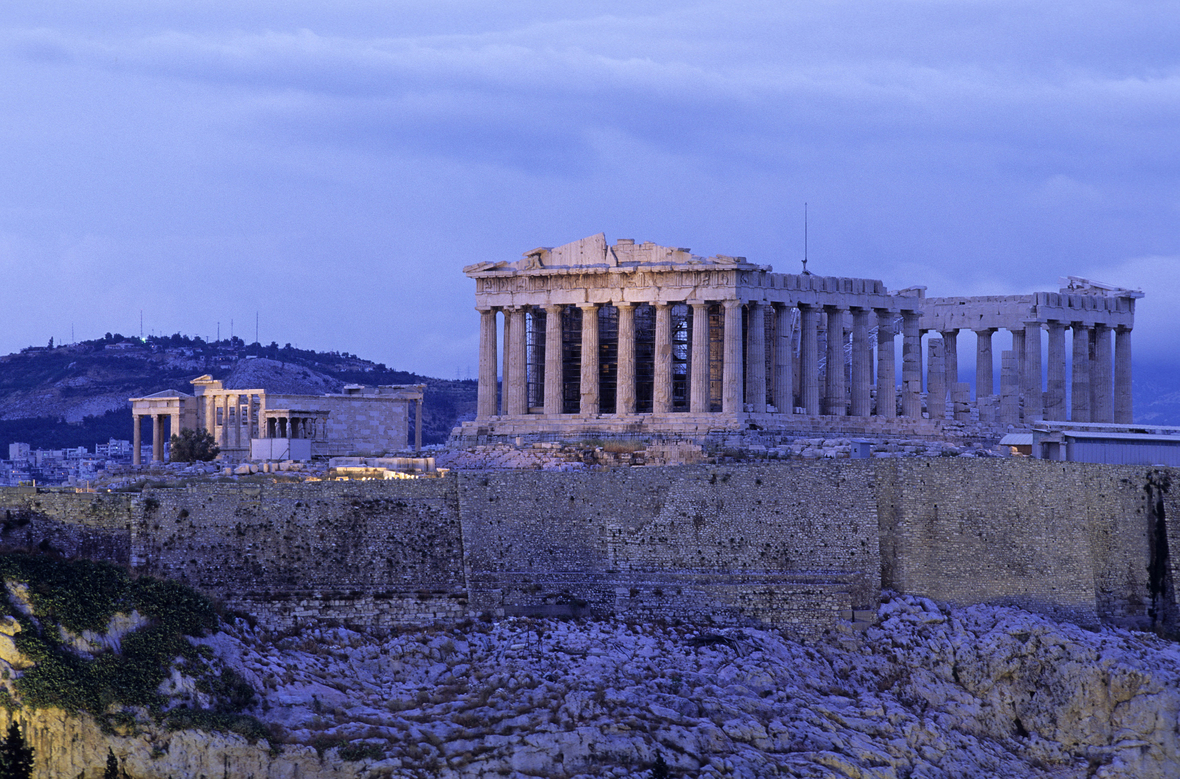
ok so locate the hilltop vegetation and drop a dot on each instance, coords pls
(76, 394)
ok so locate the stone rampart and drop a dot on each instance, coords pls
(793, 544)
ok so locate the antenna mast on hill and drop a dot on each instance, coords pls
(255, 327)
(805, 271)
(141, 324)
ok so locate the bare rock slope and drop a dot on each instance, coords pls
(928, 692)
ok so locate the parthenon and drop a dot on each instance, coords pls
(640, 338)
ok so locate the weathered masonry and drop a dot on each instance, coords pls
(795, 545)
(253, 424)
(641, 339)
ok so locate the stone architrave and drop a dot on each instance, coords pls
(861, 399)
(1122, 376)
(731, 394)
(1080, 380)
(985, 384)
(698, 392)
(756, 357)
(911, 366)
(835, 396)
(809, 359)
(1055, 368)
(784, 362)
(625, 400)
(1101, 375)
(662, 386)
(886, 365)
(589, 382)
(1033, 395)
(553, 366)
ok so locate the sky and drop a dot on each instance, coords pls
(318, 174)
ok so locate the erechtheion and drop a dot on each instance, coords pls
(253, 424)
(644, 339)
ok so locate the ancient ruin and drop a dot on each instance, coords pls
(253, 424)
(639, 339)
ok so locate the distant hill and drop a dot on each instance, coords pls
(76, 395)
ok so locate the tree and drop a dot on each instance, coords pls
(660, 769)
(112, 771)
(193, 446)
(16, 759)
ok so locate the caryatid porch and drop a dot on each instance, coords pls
(663, 339)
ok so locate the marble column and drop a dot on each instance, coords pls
(625, 398)
(1080, 389)
(935, 379)
(1055, 371)
(553, 367)
(1033, 394)
(1018, 356)
(417, 425)
(136, 439)
(237, 421)
(835, 401)
(886, 365)
(809, 359)
(985, 384)
(505, 359)
(862, 364)
(486, 393)
(699, 388)
(589, 389)
(157, 438)
(1009, 388)
(950, 355)
(784, 363)
(1122, 376)
(662, 384)
(516, 378)
(911, 366)
(1101, 376)
(756, 357)
(731, 375)
(210, 415)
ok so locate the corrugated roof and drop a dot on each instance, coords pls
(1146, 438)
(1017, 439)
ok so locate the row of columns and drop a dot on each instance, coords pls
(158, 434)
(740, 385)
(1100, 376)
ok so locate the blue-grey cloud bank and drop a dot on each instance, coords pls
(325, 170)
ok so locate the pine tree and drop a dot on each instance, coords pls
(660, 769)
(16, 759)
(112, 771)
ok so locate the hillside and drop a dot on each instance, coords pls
(928, 691)
(76, 394)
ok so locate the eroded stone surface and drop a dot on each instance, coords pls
(929, 691)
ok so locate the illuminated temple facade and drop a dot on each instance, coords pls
(594, 338)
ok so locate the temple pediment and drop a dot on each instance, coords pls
(594, 252)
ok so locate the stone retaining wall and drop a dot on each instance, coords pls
(788, 543)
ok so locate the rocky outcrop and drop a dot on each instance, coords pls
(928, 691)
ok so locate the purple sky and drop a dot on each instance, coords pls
(331, 167)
